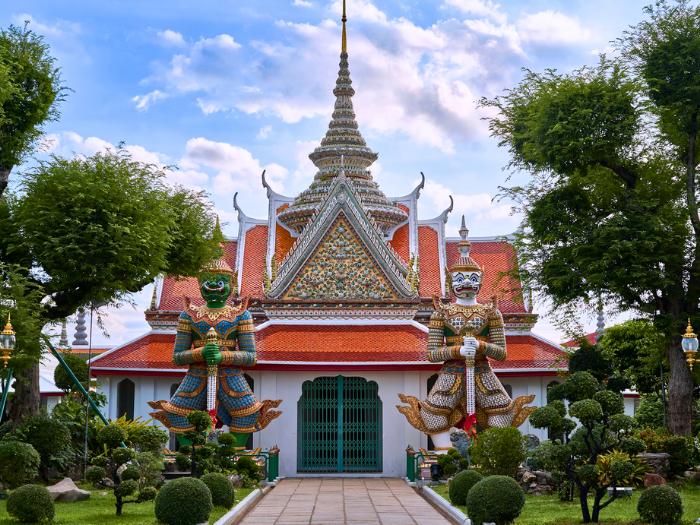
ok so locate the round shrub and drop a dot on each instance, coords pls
(148, 494)
(50, 438)
(227, 440)
(111, 435)
(588, 411)
(19, 463)
(499, 451)
(221, 489)
(123, 455)
(247, 466)
(131, 472)
(182, 462)
(611, 402)
(147, 438)
(79, 367)
(461, 484)
(128, 487)
(30, 504)
(183, 501)
(495, 499)
(95, 474)
(660, 505)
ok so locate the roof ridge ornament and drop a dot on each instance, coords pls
(344, 38)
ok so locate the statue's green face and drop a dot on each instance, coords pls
(215, 288)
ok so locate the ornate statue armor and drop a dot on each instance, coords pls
(236, 405)
(464, 335)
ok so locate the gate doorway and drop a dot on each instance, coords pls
(339, 426)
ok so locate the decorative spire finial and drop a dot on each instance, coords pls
(63, 341)
(344, 46)
(600, 327)
(464, 244)
(80, 329)
(465, 263)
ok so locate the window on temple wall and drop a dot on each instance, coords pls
(509, 390)
(126, 390)
(173, 444)
(430, 384)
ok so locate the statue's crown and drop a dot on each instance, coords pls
(465, 263)
(218, 265)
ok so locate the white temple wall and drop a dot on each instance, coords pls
(397, 433)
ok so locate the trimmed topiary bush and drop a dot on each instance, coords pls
(30, 504)
(184, 501)
(95, 474)
(221, 489)
(660, 505)
(461, 484)
(19, 463)
(499, 451)
(495, 499)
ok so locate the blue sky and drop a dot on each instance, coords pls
(226, 89)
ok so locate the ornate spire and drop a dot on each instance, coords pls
(63, 341)
(343, 141)
(80, 330)
(600, 326)
(465, 263)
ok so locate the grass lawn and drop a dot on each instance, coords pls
(99, 510)
(548, 510)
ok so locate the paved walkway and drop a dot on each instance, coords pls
(343, 501)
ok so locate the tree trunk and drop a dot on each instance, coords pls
(680, 392)
(4, 179)
(599, 493)
(26, 400)
(583, 498)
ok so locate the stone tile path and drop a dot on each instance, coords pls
(343, 501)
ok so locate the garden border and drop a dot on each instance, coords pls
(441, 503)
(237, 513)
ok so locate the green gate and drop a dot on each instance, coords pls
(339, 426)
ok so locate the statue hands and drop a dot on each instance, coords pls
(211, 354)
(469, 347)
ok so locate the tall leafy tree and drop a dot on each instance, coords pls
(611, 205)
(30, 87)
(95, 229)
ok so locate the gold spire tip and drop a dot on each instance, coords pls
(344, 46)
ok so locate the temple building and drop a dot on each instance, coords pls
(341, 280)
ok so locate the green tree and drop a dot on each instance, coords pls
(30, 87)
(611, 205)
(578, 452)
(637, 350)
(96, 229)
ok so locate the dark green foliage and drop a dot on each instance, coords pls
(588, 411)
(221, 489)
(150, 467)
(183, 462)
(495, 499)
(131, 472)
(227, 440)
(50, 438)
(660, 505)
(461, 484)
(148, 494)
(112, 436)
(79, 368)
(31, 86)
(612, 403)
(200, 420)
(679, 448)
(499, 451)
(589, 358)
(148, 438)
(250, 468)
(580, 385)
(183, 501)
(31, 504)
(127, 487)
(122, 455)
(19, 463)
(650, 413)
(71, 412)
(632, 445)
(452, 462)
(94, 474)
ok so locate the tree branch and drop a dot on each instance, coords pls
(627, 175)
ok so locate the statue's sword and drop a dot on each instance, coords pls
(470, 390)
(212, 373)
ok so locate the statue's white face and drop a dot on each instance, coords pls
(466, 284)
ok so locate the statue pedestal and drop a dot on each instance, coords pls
(441, 442)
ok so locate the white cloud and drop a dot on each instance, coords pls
(143, 102)
(302, 3)
(264, 132)
(552, 28)
(169, 37)
(479, 8)
(59, 29)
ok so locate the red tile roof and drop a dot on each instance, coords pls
(399, 242)
(575, 343)
(176, 288)
(429, 262)
(254, 261)
(496, 259)
(332, 344)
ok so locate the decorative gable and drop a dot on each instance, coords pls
(340, 268)
(341, 254)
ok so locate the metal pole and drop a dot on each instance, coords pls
(87, 406)
(5, 391)
(663, 392)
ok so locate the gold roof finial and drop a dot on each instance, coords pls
(8, 326)
(344, 47)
